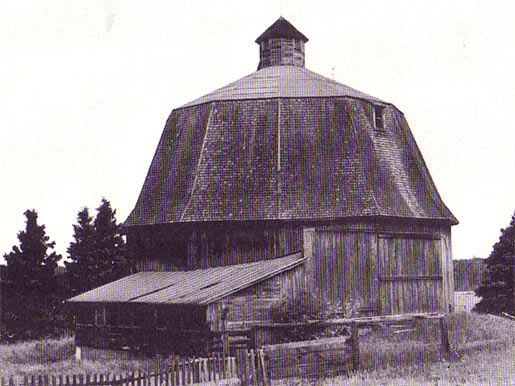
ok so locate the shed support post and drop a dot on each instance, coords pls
(355, 345)
(308, 252)
(444, 334)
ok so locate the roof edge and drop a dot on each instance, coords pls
(259, 280)
(309, 220)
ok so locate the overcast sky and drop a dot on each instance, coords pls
(86, 88)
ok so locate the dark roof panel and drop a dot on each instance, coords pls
(286, 159)
(199, 287)
(282, 28)
(171, 176)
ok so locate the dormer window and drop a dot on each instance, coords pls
(379, 117)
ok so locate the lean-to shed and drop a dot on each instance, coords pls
(286, 162)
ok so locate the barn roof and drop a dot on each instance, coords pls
(285, 143)
(200, 287)
(281, 82)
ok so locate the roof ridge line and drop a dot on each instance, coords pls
(195, 180)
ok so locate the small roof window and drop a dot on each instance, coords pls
(379, 117)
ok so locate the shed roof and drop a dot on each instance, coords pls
(200, 287)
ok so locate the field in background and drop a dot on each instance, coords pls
(384, 353)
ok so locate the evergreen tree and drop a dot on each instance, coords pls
(31, 292)
(498, 286)
(97, 254)
(80, 267)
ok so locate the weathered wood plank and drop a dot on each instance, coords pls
(374, 271)
(309, 358)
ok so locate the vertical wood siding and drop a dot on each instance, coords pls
(254, 304)
(384, 269)
(204, 246)
(345, 271)
(411, 275)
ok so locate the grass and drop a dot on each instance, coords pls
(412, 357)
(56, 356)
(468, 332)
(485, 345)
(486, 367)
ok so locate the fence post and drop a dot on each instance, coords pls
(355, 345)
(444, 334)
(262, 360)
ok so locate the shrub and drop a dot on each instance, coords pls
(309, 307)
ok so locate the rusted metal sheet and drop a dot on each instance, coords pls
(202, 286)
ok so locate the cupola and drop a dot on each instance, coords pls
(281, 45)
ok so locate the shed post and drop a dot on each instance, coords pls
(78, 353)
(444, 334)
(355, 345)
(309, 253)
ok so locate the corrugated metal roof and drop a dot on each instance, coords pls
(200, 287)
(281, 82)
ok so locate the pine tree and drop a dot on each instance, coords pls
(97, 254)
(110, 248)
(31, 291)
(498, 286)
(80, 267)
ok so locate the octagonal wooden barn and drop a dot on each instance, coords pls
(280, 182)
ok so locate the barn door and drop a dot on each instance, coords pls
(346, 270)
(410, 276)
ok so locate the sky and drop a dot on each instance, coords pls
(86, 88)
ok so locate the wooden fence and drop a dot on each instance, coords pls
(196, 370)
(250, 367)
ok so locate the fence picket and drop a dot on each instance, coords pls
(183, 372)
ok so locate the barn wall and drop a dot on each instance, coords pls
(382, 268)
(254, 303)
(139, 329)
(167, 248)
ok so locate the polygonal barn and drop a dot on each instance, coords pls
(279, 182)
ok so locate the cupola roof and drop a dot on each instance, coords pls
(282, 28)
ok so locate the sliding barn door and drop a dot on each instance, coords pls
(410, 273)
(346, 270)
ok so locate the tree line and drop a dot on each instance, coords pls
(33, 288)
(34, 283)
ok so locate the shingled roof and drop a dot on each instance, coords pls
(281, 82)
(285, 143)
